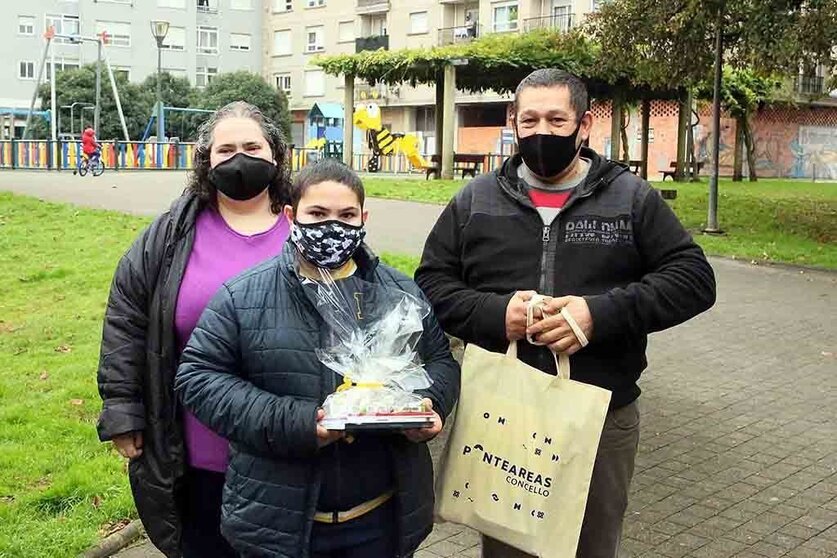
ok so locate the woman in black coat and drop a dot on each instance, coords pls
(250, 371)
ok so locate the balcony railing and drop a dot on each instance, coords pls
(375, 42)
(207, 6)
(459, 34)
(510, 26)
(810, 85)
(560, 22)
(372, 6)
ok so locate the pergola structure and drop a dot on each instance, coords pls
(499, 62)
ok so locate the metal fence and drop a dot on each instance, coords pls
(135, 155)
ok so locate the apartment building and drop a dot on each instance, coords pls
(299, 29)
(205, 37)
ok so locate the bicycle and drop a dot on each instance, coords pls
(93, 164)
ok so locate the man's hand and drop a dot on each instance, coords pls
(325, 436)
(555, 332)
(129, 445)
(418, 435)
(516, 315)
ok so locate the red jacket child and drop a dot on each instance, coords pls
(88, 142)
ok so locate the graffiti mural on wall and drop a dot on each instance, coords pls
(817, 148)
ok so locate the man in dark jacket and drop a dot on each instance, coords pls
(251, 373)
(560, 221)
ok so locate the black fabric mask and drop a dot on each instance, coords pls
(243, 177)
(548, 155)
(329, 244)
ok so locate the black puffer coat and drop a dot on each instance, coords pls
(138, 362)
(250, 373)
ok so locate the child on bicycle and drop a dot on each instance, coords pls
(89, 145)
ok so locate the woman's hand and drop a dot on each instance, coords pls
(325, 436)
(129, 445)
(419, 435)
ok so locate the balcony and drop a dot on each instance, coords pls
(813, 86)
(459, 34)
(374, 42)
(207, 6)
(561, 23)
(372, 7)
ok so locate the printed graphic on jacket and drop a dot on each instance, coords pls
(602, 231)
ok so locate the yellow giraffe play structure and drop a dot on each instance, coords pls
(367, 117)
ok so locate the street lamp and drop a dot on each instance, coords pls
(159, 29)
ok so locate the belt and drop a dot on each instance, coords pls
(355, 512)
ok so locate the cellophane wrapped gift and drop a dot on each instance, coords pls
(373, 331)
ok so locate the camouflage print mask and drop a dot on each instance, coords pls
(329, 244)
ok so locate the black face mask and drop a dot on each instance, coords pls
(243, 177)
(548, 155)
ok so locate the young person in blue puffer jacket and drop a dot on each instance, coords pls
(250, 373)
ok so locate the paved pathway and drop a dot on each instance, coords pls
(739, 437)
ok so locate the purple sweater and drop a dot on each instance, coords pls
(219, 254)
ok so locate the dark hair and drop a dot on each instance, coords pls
(198, 180)
(553, 77)
(323, 171)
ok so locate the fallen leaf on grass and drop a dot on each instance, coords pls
(63, 349)
(7, 499)
(77, 402)
(97, 502)
(44, 376)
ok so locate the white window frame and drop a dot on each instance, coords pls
(241, 9)
(32, 21)
(20, 74)
(61, 64)
(172, 4)
(315, 3)
(508, 27)
(241, 47)
(210, 8)
(206, 74)
(319, 44)
(426, 29)
(309, 93)
(62, 20)
(208, 30)
(289, 47)
(286, 82)
(283, 6)
(343, 25)
(177, 47)
(123, 69)
(564, 22)
(118, 40)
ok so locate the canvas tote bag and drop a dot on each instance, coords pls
(520, 456)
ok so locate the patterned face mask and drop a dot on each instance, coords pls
(328, 244)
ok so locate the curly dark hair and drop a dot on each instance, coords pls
(198, 180)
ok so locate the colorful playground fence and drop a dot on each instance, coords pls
(135, 155)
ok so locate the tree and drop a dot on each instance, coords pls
(246, 86)
(79, 85)
(177, 92)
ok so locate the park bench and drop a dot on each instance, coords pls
(673, 170)
(466, 163)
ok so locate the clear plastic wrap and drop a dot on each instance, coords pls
(372, 335)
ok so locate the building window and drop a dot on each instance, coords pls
(61, 64)
(314, 83)
(283, 5)
(207, 6)
(120, 32)
(175, 39)
(562, 18)
(315, 3)
(505, 17)
(204, 76)
(207, 40)
(374, 25)
(418, 23)
(178, 4)
(239, 41)
(315, 39)
(64, 25)
(282, 44)
(25, 25)
(122, 71)
(283, 82)
(241, 4)
(176, 72)
(346, 31)
(26, 70)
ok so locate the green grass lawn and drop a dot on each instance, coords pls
(783, 221)
(60, 489)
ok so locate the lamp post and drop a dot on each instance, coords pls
(159, 29)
